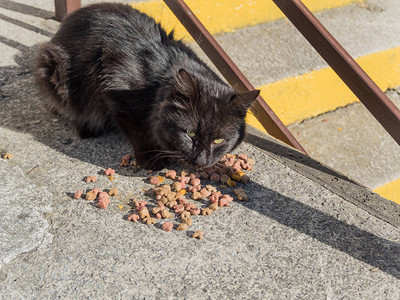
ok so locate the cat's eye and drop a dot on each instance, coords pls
(191, 133)
(218, 141)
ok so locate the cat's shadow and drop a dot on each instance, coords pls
(22, 110)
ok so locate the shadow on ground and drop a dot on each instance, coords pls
(22, 110)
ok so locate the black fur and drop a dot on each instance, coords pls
(111, 66)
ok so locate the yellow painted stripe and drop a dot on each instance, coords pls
(301, 97)
(390, 191)
(226, 15)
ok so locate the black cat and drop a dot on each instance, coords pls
(110, 65)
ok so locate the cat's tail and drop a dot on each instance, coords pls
(51, 76)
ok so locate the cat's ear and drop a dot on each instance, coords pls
(241, 102)
(185, 84)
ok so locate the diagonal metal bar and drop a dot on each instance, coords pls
(379, 105)
(64, 7)
(231, 72)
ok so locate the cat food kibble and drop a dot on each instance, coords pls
(167, 226)
(166, 214)
(240, 193)
(223, 202)
(109, 172)
(205, 193)
(195, 211)
(179, 208)
(91, 195)
(133, 218)
(103, 203)
(113, 191)
(91, 179)
(182, 227)
(171, 174)
(185, 214)
(143, 213)
(156, 180)
(198, 234)
(206, 211)
(196, 196)
(103, 195)
(8, 156)
(213, 206)
(187, 221)
(78, 194)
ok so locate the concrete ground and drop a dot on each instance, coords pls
(307, 231)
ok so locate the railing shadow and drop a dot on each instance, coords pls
(22, 110)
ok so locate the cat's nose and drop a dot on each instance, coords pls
(201, 160)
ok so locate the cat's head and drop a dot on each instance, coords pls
(200, 119)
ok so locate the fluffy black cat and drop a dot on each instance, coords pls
(110, 65)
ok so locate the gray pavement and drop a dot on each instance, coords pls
(307, 231)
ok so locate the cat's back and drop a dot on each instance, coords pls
(107, 23)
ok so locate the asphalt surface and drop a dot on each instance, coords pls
(307, 231)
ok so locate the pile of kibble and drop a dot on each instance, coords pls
(181, 197)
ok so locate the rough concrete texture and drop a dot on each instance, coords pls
(307, 232)
(351, 141)
(293, 239)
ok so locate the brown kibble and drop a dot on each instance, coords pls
(91, 195)
(187, 221)
(196, 196)
(91, 179)
(176, 186)
(224, 178)
(182, 227)
(241, 195)
(156, 210)
(167, 226)
(245, 179)
(198, 234)
(185, 214)
(211, 188)
(8, 156)
(149, 220)
(144, 212)
(206, 211)
(213, 206)
(160, 204)
(113, 191)
(166, 214)
(78, 194)
(158, 216)
(133, 218)
(103, 203)
(215, 177)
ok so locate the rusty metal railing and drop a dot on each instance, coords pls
(387, 114)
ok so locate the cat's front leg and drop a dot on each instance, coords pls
(151, 159)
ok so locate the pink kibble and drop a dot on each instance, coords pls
(158, 216)
(223, 202)
(171, 174)
(109, 172)
(179, 208)
(214, 177)
(103, 195)
(103, 203)
(236, 166)
(78, 194)
(190, 206)
(242, 156)
(155, 180)
(193, 175)
(205, 193)
(227, 197)
(195, 181)
(167, 226)
(160, 204)
(215, 197)
(182, 200)
(91, 179)
(140, 204)
(195, 211)
(133, 218)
